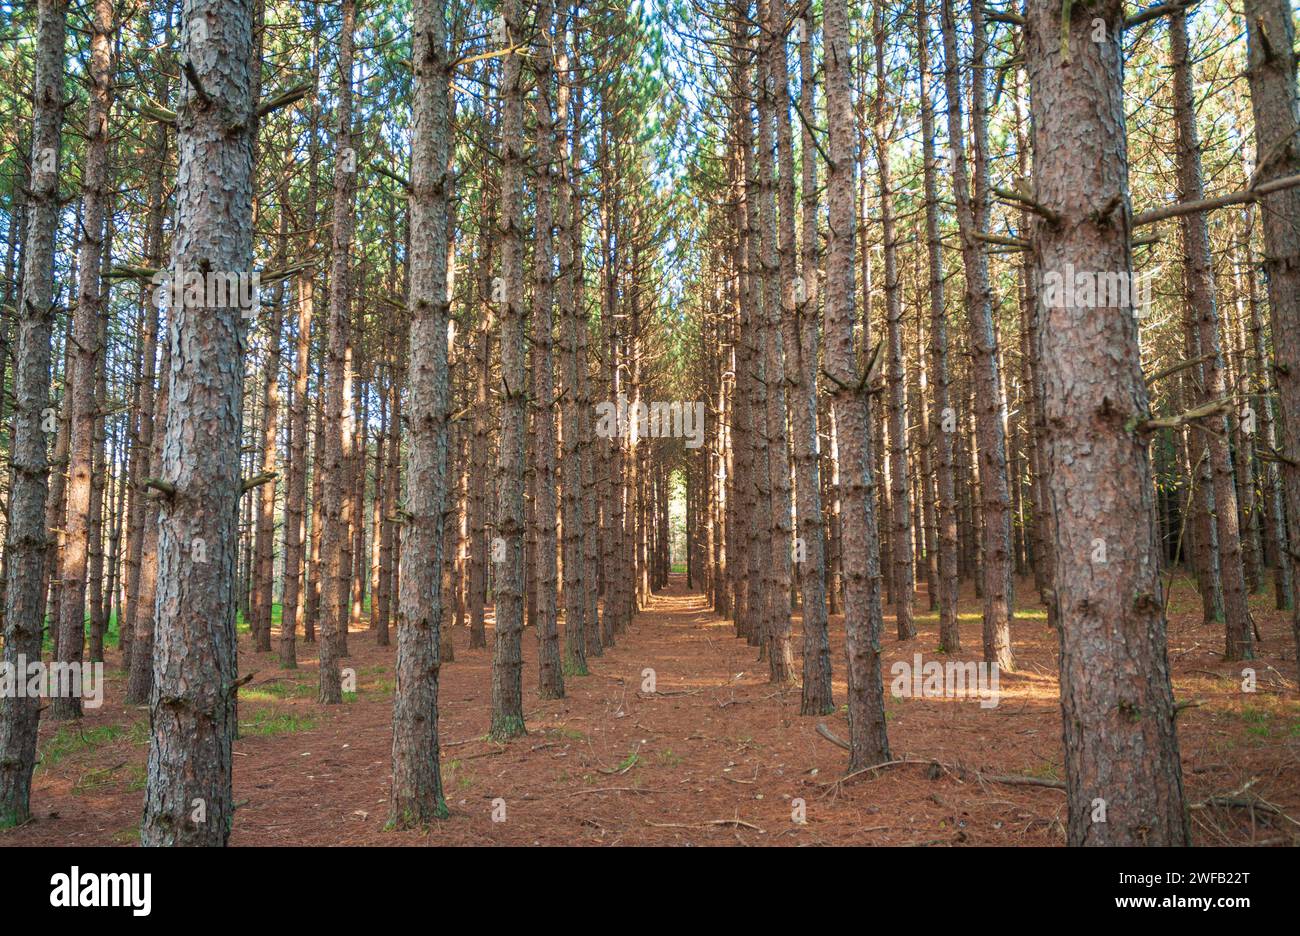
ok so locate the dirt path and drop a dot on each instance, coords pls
(714, 756)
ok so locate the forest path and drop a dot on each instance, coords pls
(715, 755)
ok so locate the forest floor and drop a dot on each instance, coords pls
(715, 756)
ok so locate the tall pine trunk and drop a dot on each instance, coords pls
(192, 709)
(417, 795)
(1121, 753)
(26, 536)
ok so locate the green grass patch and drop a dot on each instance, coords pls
(267, 722)
(71, 739)
(276, 689)
(134, 775)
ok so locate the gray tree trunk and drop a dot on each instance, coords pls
(417, 795)
(335, 543)
(507, 659)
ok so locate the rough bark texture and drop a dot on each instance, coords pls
(1198, 292)
(85, 349)
(26, 536)
(817, 697)
(550, 684)
(292, 613)
(507, 661)
(943, 422)
(575, 581)
(899, 501)
(139, 685)
(1121, 753)
(778, 282)
(417, 795)
(1271, 69)
(335, 546)
(990, 413)
(192, 708)
(862, 611)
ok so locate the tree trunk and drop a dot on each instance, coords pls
(900, 504)
(803, 340)
(1198, 291)
(1121, 753)
(779, 268)
(26, 533)
(335, 547)
(192, 707)
(862, 611)
(550, 683)
(507, 660)
(83, 353)
(943, 422)
(417, 795)
(990, 413)
(1270, 41)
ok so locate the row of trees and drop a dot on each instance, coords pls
(1119, 397)
(835, 225)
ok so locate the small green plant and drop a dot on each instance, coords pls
(129, 836)
(1044, 771)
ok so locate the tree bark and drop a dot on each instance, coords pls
(1121, 752)
(417, 795)
(990, 412)
(1271, 70)
(507, 660)
(192, 707)
(335, 546)
(26, 533)
(862, 612)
